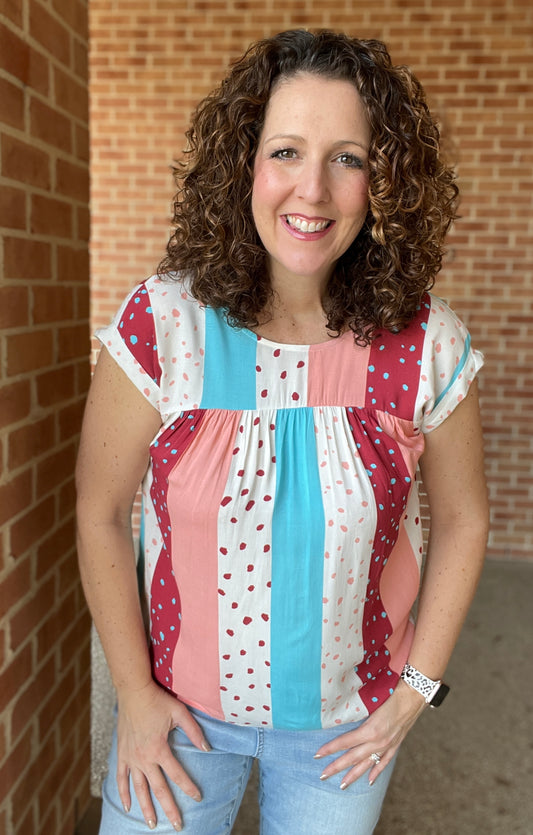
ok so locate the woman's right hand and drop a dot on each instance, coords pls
(145, 719)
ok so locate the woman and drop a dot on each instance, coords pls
(275, 387)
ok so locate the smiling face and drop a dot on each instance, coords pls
(310, 190)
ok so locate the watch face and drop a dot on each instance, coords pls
(440, 695)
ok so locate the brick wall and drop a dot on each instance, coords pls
(44, 375)
(152, 61)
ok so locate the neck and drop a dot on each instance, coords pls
(295, 315)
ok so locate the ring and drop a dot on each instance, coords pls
(376, 759)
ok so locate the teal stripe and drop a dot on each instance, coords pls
(229, 365)
(297, 574)
(458, 370)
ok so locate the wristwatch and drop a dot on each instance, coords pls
(434, 692)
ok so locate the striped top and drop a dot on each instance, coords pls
(282, 538)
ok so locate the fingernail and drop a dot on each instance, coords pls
(177, 826)
(344, 786)
(206, 747)
(324, 776)
(197, 797)
(151, 824)
(371, 782)
(126, 808)
(317, 756)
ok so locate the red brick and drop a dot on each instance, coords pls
(16, 494)
(49, 822)
(12, 679)
(39, 766)
(12, 208)
(82, 149)
(27, 822)
(29, 441)
(52, 545)
(24, 162)
(51, 633)
(29, 351)
(29, 616)
(83, 218)
(56, 386)
(50, 126)
(74, 13)
(14, 586)
(72, 640)
(26, 258)
(72, 180)
(69, 576)
(3, 742)
(71, 95)
(32, 526)
(73, 263)
(49, 32)
(12, 98)
(15, 54)
(50, 216)
(73, 341)
(14, 308)
(70, 419)
(54, 469)
(52, 303)
(13, 10)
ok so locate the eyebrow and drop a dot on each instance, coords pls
(294, 137)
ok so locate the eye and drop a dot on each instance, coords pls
(284, 153)
(350, 160)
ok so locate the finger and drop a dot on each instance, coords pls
(344, 742)
(184, 719)
(142, 792)
(350, 759)
(375, 770)
(161, 792)
(177, 774)
(123, 785)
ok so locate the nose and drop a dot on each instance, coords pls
(312, 185)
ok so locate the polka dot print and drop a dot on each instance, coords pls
(213, 495)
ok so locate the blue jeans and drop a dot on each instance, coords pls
(292, 798)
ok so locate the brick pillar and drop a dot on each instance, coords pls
(44, 375)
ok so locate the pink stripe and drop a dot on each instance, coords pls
(337, 373)
(398, 589)
(196, 490)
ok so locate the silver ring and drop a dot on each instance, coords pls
(376, 759)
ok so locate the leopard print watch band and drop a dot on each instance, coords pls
(429, 689)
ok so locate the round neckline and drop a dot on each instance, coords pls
(296, 346)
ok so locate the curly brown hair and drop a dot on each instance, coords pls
(379, 281)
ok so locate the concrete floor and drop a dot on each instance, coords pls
(466, 768)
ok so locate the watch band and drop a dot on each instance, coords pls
(434, 692)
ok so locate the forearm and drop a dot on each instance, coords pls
(108, 572)
(453, 567)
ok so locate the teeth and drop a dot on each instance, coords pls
(306, 226)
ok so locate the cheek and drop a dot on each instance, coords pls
(267, 188)
(356, 200)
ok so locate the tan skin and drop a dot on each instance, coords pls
(112, 462)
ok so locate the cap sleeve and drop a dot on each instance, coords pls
(449, 366)
(131, 341)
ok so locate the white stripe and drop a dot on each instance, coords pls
(350, 517)
(281, 375)
(180, 329)
(245, 538)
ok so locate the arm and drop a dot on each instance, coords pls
(452, 470)
(118, 426)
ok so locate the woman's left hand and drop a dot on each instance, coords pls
(381, 734)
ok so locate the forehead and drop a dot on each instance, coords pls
(318, 102)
